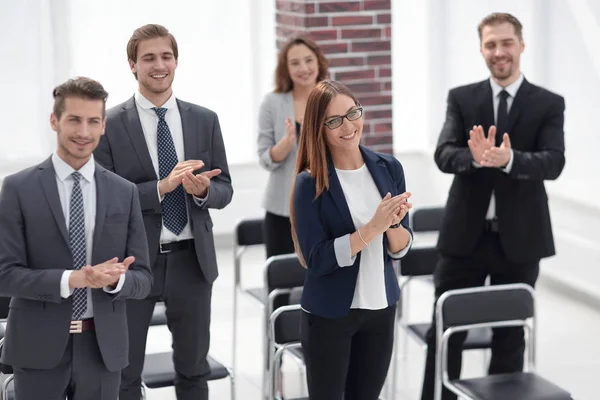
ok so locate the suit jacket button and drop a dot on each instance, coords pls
(159, 224)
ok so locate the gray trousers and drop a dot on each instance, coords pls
(178, 281)
(80, 375)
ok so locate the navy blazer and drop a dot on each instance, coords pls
(328, 288)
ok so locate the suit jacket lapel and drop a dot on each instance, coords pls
(337, 193)
(486, 101)
(378, 172)
(190, 136)
(517, 105)
(102, 190)
(131, 121)
(48, 181)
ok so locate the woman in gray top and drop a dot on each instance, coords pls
(300, 66)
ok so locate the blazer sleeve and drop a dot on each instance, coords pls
(266, 135)
(138, 278)
(452, 154)
(220, 191)
(16, 278)
(148, 191)
(548, 160)
(317, 247)
(400, 180)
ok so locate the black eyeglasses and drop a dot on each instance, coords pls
(351, 115)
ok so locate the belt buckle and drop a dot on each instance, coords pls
(76, 327)
(164, 251)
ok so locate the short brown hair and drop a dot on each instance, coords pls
(501, 18)
(313, 150)
(81, 87)
(283, 82)
(146, 32)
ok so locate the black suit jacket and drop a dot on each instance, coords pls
(123, 150)
(535, 126)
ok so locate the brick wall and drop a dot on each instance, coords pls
(356, 38)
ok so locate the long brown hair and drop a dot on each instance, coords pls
(312, 150)
(283, 82)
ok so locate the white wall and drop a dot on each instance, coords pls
(436, 47)
(226, 48)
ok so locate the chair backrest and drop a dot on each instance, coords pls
(428, 219)
(419, 261)
(249, 232)
(485, 305)
(4, 307)
(284, 272)
(285, 324)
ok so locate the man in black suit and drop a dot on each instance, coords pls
(157, 141)
(497, 221)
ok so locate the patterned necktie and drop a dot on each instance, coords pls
(173, 205)
(77, 241)
(502, 119)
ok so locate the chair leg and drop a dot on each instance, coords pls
(234, 333)
(232, 384)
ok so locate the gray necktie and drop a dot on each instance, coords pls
(77, 242)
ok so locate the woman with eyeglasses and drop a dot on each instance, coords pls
(348, 212)
(301, 64)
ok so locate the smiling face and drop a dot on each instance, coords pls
(303, 66)
(155, 66)
(78, 129)
(501, 48)
(347, 135)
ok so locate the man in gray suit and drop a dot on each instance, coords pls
(72, 249)
(157, 142)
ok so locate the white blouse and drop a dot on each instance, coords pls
(363, 198)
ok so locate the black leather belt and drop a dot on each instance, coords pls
(491, 225)
(176, 246)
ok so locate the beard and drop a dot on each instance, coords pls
(501, 73)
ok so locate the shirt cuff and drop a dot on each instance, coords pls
(477, 165)
(200, 201)
(119, 286)
(65, 290)
(401, 253)
(510, 163)
(160, 198)
(343, 251)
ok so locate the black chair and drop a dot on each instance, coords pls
(6, 373)
(420, 263)
(491, 307)
(284, 336)
(284, 279)
(159, 371)
(248, 233)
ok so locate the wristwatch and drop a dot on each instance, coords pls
(396, 225)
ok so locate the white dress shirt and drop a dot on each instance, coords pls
(64, 182)
(149, 122)
(512, 90)
(363, 198)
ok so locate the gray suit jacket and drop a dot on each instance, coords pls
(35, 251)
(123, 150)
(274, 110)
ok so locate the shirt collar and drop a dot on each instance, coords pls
(64, 170)
(146, 104)
(512, 89)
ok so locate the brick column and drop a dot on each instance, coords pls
(356, 37)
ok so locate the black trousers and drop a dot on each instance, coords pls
(80, 375)
(508, 344)
(349, 355)
(179, 282)
(277, 231)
